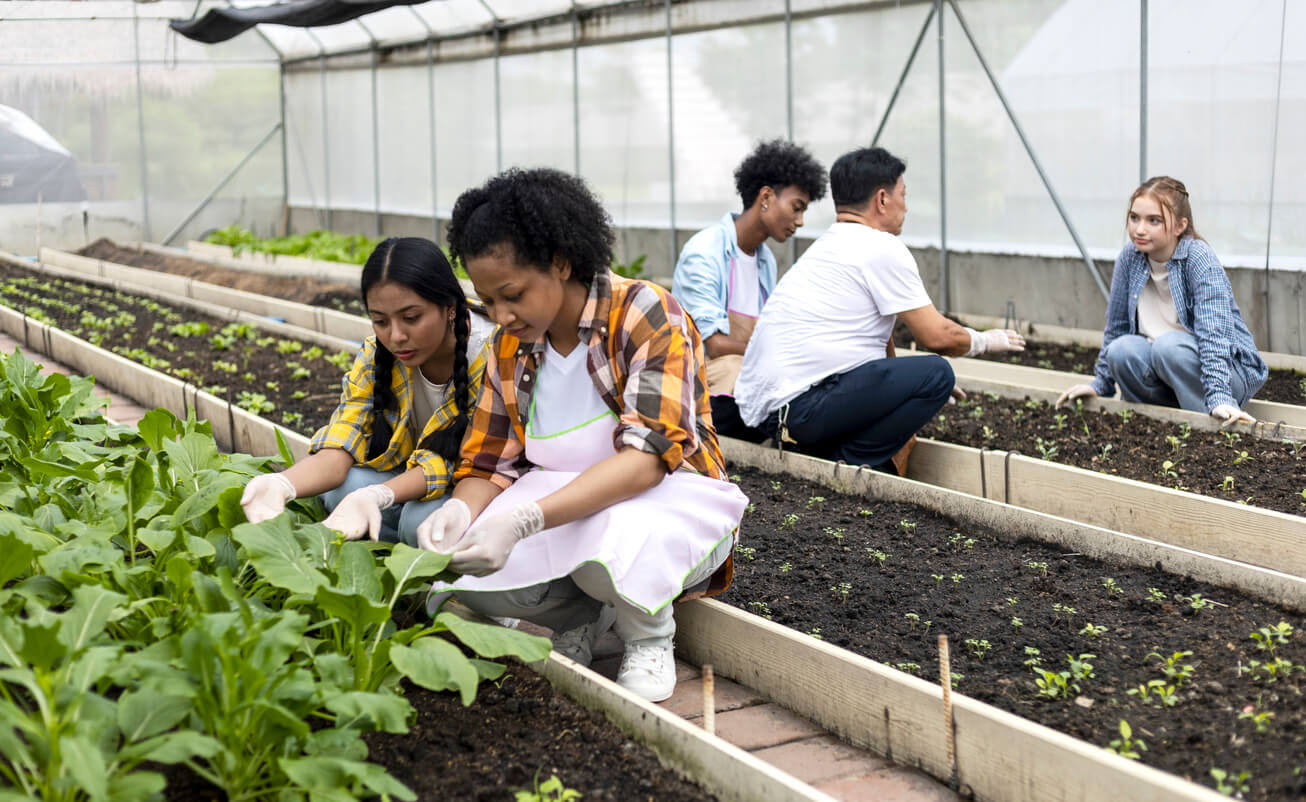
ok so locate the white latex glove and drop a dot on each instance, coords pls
(958, 394)
(359, 513)
(1076, 392)
(488, 544)
(442, 529)
(266, 496)
(1230, 415)
(995, 341)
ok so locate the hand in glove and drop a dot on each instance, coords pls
(266, 496)
(995, 341)
(488, 544)
(359, 513)
(442, 529)
(1075, 393)
(1230, 415)
(958, 394)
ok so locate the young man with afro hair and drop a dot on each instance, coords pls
(726, 272)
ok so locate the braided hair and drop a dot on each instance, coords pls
(419, 265)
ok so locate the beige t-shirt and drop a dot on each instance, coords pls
(1156, 311)
(427, 398)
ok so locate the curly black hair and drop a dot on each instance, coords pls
(544, 213)
(778, 164)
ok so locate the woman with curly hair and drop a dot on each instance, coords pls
(1174, 335)
(726, 272)
(385, 460)
(592, 487)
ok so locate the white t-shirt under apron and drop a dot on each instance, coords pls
(834, 310)
(1156, 311)
(745, 293)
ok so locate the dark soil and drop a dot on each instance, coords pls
(140, 329)
(515, 732)
(1265, 473)
(807, 561)
(294, 288)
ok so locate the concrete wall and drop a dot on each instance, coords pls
(1045, 289)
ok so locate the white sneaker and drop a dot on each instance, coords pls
(578, 644)
(648, 671)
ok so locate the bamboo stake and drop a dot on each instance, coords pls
(945, 680)
(709, 701)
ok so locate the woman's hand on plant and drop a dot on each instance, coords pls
(443, 528)
(266, 496)
(1075, 393)
(488, 544)
(359, 513)
(958, 394)
(1230, 416)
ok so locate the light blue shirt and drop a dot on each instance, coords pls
(1204, 300)
(702, 279)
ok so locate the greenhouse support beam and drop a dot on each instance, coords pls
(376, 128)
(1029, 149)
(140, 126)
(575, 86)
(1142, 92)
(671, 134)
(791, 245)
(326, 137)
(285, 156)
(430, 108)
(1274, 163)
(943, 165)
(498, 115)
(902, 79)
(226, 179)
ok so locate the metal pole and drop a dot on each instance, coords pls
(376, 131)
(1142, 93)
(430, 107)
(140, 126)
(226, 179)
(285, 158)
(1033, 157)
(575, 85)
(920, 37)
(671, 135)
(498, 119)
(791, 247)
(943, 167)
(326, 139)
(1274, 158)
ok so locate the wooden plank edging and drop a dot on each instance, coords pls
(1071, 532)
(999, 756)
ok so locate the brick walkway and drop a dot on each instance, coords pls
(121, 410)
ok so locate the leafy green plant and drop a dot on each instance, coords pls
(1231, 784)
(790, 521)
(1093, 631)
(835, 533)
(1173, 667)
(1126, 745)
(551, 790)
(1111, 587)
(878, 556)
(815, 501)
(1259, 718)
(978, 648)
(841, 591)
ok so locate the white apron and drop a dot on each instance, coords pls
(649, 543)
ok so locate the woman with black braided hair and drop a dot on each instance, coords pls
(592, 486)
(385, 460)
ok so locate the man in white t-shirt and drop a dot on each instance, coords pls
(817, 370)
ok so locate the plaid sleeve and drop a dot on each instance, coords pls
(1117, 324)
(1213, 324)
(658, 396)
(494, 448)
(351, 422)
(437, 470)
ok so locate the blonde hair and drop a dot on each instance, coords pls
(1172, 196)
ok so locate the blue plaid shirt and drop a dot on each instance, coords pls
(1204, 300)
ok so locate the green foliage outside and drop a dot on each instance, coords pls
(323, 246)
(143, 621)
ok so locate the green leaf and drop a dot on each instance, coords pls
(283, 449)
(191, 454)
(41, 645)
(86, 765)
(92, 606)
(157, 540)
(11, 643)
(74, 557)
(406, 564)
(385, 712)
(324, 774)
(355, 609)
(437, 665)
(334, 669)
(356, 571)
(142, 714)
(158, 425)
(172, 747)
(55, 469)
(15, 557)
(92, 665)
(488, 670)
(139, 483)
(492, 640)
(202, 500)
(230, 513)
(139, 786)
(277, 556)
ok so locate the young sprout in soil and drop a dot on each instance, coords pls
(1236, 784)
(551, 790)
(1059, 609)
(834, 532)
(815, 633)
(789, 522)
(956, 679)
(1173, 668)
(254, 402)
(786, 568)
(1012, 601)
(1126, 745)
(292, 418)
(776, 485)
(1032, 656)
(1196, 602)
(298, 395)
(1155, 595)
(992, 396)
(816, 501)
(1268, 638)
(912, 620)
(761, 608)
(750, 509)
(1111, 587)
(907, 527)
(1167, 469)
(1230, 438)
(841, 591)
(1175, 445)
(1016, 623)
(1046, 449)
(989, 434)
(977, 412)
(736, 478)
(1227, 484)
(1041, 568)
(1060, 423)
(956, 578)
(877, 555)
(748, 553)
(1241, 458)
(1260, 718)
(1054, 684)
(1125, 415)
(1093, 630)
(910, 668)
(979, 648)
(1270, 671)
(938, 579)
(1155, 691)
(864, 513)
(1105, 449)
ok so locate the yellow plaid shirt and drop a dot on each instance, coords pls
(350, 428)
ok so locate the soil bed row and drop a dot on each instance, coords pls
(884, 579)
(252, 369)
(1225, 465)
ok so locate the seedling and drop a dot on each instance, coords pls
(1046, 449)
(300, 372)
(865, 513)
(1268, 638)
(750, 509)
(786, 568)
(289, 346)
(1059, 609)
(910, 668)
(977, 412)
(1016, 623)
(992, 396)
(841, 591)
(748, 553)
(761, 608)
(877, 555)
(1260, 718)
(979, 648)
(1125, 415)
(912, 620)
(816, 501)
(1059, 424)
(988, 433)
(1093, 630)
(790, 521)
(907, 527)
(834, 532)
(938, 579)
(551, 790)
(254, 402)
(1032, 657)
(1054, 684)
(1231, 784)
(1012, 601)
(292, 418)
(1168, 469)
(734, 477)
(1227, 484)
(1106, 448)
(956, 578)
(1155, 691)
(776, 485)
(1111, 587)
(1230, 438)
(298, 395)
(1040, 567)
(1241, 458)
(1155, 595)
(1196, 602)
(1174, 670)
(1174, 442)
(956, 679)
(816, 633)
(1126, 745)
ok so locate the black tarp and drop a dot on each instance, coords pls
(221, 24)
(33, 164)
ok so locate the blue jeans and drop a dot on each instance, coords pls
(866, 415)
(1167, 372)
(399, 523)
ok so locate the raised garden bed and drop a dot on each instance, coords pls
(883, 579)
(1262, 472)
(291, 382)
(301, 289)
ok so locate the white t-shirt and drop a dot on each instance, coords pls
(427, 398)
(1156, 312)
(565, 396)
(834, 310)
(745, 298)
